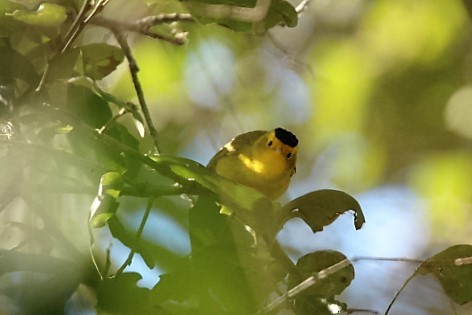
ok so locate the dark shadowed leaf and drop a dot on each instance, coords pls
(14, 65)
(454, 275)
(8, 25)
(121, 295)
(91, 108)
(315, 262)
(320, 208)
(93, 86)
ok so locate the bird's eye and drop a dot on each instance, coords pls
(269, 143)
(289, 155)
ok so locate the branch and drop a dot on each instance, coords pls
(138, 236)
(133, 68)
(77, 26)
(323, 274)
(144, 25)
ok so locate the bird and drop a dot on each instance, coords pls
(263, 160)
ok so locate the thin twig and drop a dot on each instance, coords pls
(129, 260)
(112, 120)
(310, 281)
(153, 20)
(75, 27)
(133, 67)
(143, 26)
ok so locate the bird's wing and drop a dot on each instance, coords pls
(236, 145)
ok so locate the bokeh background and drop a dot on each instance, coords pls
(379, 94)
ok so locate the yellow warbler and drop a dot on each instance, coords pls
(263, 160)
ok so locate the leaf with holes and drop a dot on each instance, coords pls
(320, 208)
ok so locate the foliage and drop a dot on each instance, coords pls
(68, 146)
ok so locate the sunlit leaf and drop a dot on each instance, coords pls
(64, 129)
(320, 208)
(455, 278)
(102, 210)
(105, 205)
(47, 14)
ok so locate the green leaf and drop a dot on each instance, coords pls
(110, 98)
(111, 184)
(121, 295)
(92, 109)
(47, 15)
(98, 60)
(8, 25)
(63, 66)
(320, 208)
(281, 12)
(315, 262)
(455, 277)
(102, 210)
(105, 205)
(14, 65)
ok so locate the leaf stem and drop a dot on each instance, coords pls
(138, 236)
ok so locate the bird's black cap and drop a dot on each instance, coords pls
(286, 137)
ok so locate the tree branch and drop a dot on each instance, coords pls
(133, 68)
(144, 25)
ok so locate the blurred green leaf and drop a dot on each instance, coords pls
(111, 184)
(91, 108)
(175, 286)
(102, 210)
(8, 25)
(63, 66)
(455, 278)
(121, 295)
(93, 86)
(105, 205)
(98, 60)
(47, 14)
(281, 12)
(320, 208)
(14, 65)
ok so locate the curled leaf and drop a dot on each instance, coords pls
(320, 208)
